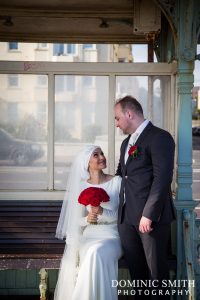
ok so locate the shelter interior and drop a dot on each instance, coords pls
(65, 50)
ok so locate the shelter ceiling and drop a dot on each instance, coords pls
(68, 21)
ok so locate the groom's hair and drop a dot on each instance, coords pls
(129, 102)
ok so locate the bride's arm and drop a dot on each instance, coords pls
(110, 215)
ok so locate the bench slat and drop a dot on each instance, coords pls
(27, 235)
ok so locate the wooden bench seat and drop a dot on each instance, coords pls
(27, 236)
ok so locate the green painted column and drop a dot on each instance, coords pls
(184, 131)
(184, 200)
(186, 47)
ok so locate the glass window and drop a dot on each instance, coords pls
(42, 46)
(42, 80)
(151, 92)
(12, 111)
(88, 81)
(197, 69)
(88, 46)
(13, 80)
(63, 49)
(42, 111)
(23, 135)
(71, 48)
(65, 83)
(58, 49)
(140, 53)
(79, 121)
(70, 83)
(13, 46)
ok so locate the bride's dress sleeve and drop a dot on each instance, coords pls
(111, 215)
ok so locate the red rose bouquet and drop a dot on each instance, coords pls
(93, 196)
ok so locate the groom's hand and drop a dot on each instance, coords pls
(145, 225)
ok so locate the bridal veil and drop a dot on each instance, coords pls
(68, 225)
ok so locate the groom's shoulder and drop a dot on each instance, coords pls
(158, 132)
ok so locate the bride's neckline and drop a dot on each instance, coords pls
(101, 182)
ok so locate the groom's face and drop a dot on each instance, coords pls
(122, 120)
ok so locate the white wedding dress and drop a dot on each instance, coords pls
(100, 250)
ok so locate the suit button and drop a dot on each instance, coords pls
(126, 176)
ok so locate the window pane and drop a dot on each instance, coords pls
(151, 92)
(13, 80)
(140, 53)
(42, 45)
(71, 48)
(81, 118)
(13, 46)
(87, 46)
(23, 134)
(42, 80)
(58, 49)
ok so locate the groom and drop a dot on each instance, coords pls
(146, 208)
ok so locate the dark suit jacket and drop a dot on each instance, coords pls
(146, 179)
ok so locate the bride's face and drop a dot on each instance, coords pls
(97, 160)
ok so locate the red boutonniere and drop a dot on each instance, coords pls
(133, 151)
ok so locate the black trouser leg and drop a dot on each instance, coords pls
(134, 256)
(155, 245)
(146, 255)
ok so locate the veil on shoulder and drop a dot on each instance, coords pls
(68, 224)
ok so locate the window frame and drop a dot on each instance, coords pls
(89, 69)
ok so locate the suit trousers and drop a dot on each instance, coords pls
(146, 257)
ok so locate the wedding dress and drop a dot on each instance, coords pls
(99, 251)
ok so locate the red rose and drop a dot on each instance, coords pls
(93, 196)
(133, 151)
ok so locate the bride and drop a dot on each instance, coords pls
(90, 259)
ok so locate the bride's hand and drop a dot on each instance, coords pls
(97, 210)
(92, 217)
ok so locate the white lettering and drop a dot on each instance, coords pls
(155, 281)
(191, 283)
(114, 283)
(122, 283)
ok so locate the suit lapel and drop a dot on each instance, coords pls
(142, 136)
(144, 133)
(124, 145)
